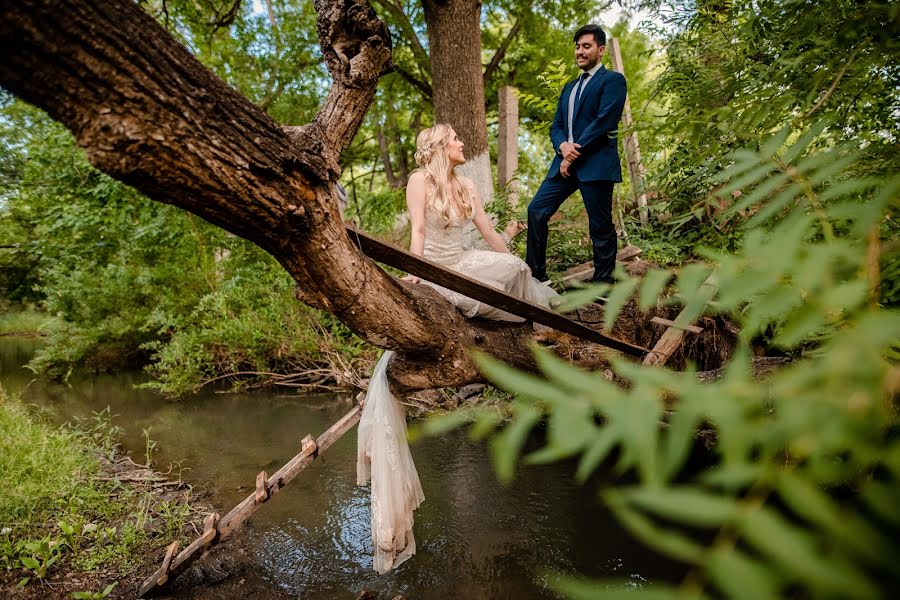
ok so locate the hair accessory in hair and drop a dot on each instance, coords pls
(423, 155)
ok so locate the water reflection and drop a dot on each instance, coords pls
(476, 539)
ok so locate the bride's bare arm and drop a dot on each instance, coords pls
(483, 223)
(415, 204)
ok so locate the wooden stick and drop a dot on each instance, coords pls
(630, 141)
(668, 323)
(435, 273)
(262, 491)
(673, 336)
(217, 530)
(161, 576)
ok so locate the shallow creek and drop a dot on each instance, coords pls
(476, 538)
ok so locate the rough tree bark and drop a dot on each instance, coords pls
(149, 114)
(454, 36)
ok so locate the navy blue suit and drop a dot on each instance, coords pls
(595, 120)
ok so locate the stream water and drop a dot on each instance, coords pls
(475, 538)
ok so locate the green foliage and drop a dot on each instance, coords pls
(552, 80)
(805, 460)
(54, 509)
(376, 212)
(734, 79)
(94, 595)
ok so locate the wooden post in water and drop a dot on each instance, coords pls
(630, 142)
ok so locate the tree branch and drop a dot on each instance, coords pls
(501, 51)
(419, 53)
(835, 83)
(420, 85)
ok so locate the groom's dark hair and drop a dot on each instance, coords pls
(599, 35)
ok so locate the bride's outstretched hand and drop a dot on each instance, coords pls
(411, 279)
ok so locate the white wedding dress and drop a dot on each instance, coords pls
(382, 450)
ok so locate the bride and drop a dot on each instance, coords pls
(441, 205)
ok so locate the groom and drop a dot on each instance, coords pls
(587, 157)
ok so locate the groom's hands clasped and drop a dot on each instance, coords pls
(569, 151)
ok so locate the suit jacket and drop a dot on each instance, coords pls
(594, 123)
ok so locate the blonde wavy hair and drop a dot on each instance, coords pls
(443, 185)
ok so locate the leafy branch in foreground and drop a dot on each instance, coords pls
(802, 493)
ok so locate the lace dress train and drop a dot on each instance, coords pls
(383, 455)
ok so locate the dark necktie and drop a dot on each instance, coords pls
(580, 86)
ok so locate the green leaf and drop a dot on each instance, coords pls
(732, 476)
(816, 507)
(796, 553)
(668, 542)
(507, 445)
(652, 286)
(799, 146)
(597, 450)
(581, 589)
(741, 577)
(774, 143)
(441, 424)
(751, 177)
(572, 378)
(486, 422)
(776, 204)
(801, 324)
(759, 192)
(640, 423)
(570, 427)
(678, 441)
(620, 294)
(524, 385)
(882, 497)
(30, 563)
(578, 297)
(684, 504)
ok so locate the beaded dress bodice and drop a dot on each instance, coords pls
(444, 245)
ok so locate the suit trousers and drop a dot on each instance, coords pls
(597, 196)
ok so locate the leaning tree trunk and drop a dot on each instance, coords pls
(454, 38)
(148, 113)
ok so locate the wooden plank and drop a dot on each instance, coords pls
(210, 522)
(217, 530)
(636, 171)
(673, 336)
(668, 323)
(405, 261)
(192, 552)
(585, 271)
(161, 575)
(262, 492)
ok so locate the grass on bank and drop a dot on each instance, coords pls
(22, 322)
(54, 510)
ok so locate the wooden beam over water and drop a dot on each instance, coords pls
(442, 276)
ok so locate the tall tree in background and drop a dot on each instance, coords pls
(454, 35)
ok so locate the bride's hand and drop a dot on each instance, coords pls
(411, 279)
